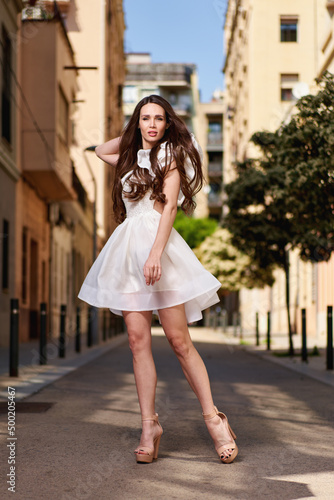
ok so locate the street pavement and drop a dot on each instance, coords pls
(82, 446)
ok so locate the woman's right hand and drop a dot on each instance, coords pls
(108, 151)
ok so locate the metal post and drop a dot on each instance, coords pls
(268, 330)
(42, 338)
(329, 363)
(90, 326)
(62, 331)
(14, 338)
(304, 343)
(224, 314)
(240, 326)
(257, 329)
(78, 332)
(104, 325)
(235, 321)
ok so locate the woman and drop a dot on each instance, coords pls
(146, 266)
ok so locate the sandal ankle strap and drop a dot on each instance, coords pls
(208, 416)
(153, 417)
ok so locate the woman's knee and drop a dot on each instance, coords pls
(181, 345)
(138, 340)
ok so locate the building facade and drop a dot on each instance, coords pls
(210, 136)
(60, 191)
(9, 156)
(274, 51)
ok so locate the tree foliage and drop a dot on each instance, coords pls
(232, 268)
(192, 230)
(285, 198)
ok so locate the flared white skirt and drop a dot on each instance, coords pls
(116, 279)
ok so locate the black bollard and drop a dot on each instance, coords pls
(268, 331)
(329, 363)
(62, 331)
(42, 338)
(257, 329)
(104, 325)
(14, 338)
(304, 343)
(78, 331)
(90, 327)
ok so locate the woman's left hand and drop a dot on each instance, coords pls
(152, 270)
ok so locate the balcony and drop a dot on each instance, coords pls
(164, 74)
(215, 141)
(214, 199)
(49, 89)
(38, 10)
(215, 169)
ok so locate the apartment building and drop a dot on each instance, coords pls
(176, 82)
(9, 156)
(210, 136)
(62, 189)
(274, 51)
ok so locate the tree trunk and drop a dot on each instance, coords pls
(287, 299)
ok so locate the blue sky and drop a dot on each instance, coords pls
(189, 31)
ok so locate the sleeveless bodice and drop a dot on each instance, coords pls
(140, 207)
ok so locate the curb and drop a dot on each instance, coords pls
(37, 377)
(326, 377)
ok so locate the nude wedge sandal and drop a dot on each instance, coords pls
(149, 453)
(227, 446)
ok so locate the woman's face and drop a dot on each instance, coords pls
(152, 124)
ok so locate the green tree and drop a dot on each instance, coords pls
(232, 268)
(285, 198)
(192, 230)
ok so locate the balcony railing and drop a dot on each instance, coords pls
(215, 139)
(214, 199)
(44, 9)
(215, 169)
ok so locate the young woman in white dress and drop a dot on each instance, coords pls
(146, 266)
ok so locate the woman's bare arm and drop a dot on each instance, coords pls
(171, 188)
(108, 151)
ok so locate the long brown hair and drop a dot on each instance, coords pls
(178, 144)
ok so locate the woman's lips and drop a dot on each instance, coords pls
(152, 134)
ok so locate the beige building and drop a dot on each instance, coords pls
(97, 113)
(9, 157)
(210, 135)
(176, 82)
(66, 78)
(274, 50)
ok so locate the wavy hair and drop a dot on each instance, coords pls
(178, 144)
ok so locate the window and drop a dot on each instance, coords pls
(5, 255)
(63, 116)
(144, 92)
(288, 81)
(6, 87)
(130, 94)
(289, 27)
(24, 264)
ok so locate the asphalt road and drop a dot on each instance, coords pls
(82, 447)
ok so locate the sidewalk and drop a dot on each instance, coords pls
(33, 376)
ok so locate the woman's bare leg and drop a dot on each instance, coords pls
(174, 323)
(139, 332)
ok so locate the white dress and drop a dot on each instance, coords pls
(116, 279)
